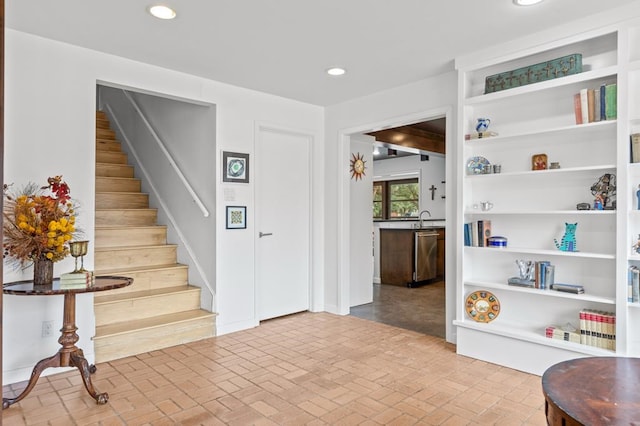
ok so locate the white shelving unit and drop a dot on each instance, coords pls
(530, 208)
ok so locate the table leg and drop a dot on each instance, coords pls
(53, 361)
(69, 355)
(79, 361)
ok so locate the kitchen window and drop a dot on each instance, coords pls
(396, 199)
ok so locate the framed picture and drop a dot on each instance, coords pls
(235, 167)
(539, 162)
(236, 217)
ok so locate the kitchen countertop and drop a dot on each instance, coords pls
(409, 224)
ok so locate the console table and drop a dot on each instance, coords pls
(69, 355)
(593, 391)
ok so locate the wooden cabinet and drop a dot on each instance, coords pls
(440, 262)
(396, 256)
(397, 252)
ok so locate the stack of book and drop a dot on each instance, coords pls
(568, 288)
(544, 274)
(568, 335)
(477, 233)
(591, 105)
(598, 328)
(76, 280)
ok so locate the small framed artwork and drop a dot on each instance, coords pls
(539, 162)
(235, 167)
(236, 217)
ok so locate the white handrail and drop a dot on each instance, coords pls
(182, 177)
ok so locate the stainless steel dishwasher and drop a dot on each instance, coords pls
(425, 255)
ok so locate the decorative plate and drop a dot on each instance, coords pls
(475, 165)
(482, 306)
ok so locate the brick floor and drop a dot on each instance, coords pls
(304, 369)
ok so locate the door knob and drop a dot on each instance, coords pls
(265, 234)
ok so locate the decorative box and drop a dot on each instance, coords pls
(497, 242)
(560, 67)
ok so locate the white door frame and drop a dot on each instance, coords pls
(258, 129)
(344, 209)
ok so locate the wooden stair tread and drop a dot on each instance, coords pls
(119, 193)
(154, 246)
(103, 331)
(118, 297)
(123, 271)
(127, 210)
(129, 227)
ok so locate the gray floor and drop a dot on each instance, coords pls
(419, 309)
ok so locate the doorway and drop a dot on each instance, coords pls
(408, 161)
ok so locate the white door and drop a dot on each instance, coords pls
(283, 216)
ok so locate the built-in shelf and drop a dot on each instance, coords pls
(540, 292)
(543, 252)
(560, 129)
(542, 173)
(608, 213)
(544, 85)
(521, 332)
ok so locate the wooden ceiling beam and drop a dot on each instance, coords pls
(408, 137)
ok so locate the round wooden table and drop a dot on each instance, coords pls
(593, 391)
(69, 355)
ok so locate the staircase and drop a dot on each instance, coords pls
(159, 309)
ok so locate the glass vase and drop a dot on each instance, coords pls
(42, 272)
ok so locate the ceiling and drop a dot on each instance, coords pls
(283, 47)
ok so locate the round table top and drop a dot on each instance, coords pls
(26, 288)
(597, 390)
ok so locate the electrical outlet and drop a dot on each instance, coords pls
(47, 328)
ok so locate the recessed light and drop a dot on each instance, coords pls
(162, 12)
(526, 2)
(336, 71)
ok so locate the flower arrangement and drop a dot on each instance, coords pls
(38, 222)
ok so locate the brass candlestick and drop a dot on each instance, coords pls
(79, 249)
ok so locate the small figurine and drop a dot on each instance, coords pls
(483, 125)
(636, 246)
(598, 203)
(638, 195)
(568, 242)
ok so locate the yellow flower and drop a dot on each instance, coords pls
(51, 234)
(49, 255)
(23, 225)
(53, 225)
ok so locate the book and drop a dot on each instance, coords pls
(467, 234)
(611, 101)
(584, 105)
(635, 147)
(635, 284)
(603, 115)
(596, 105)
(577, 108)
(485, 232)
(591, 102)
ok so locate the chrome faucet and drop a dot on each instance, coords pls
(424, 211)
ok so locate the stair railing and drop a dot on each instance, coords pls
(166, 153)
(170, 217)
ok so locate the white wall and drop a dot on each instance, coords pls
(426, 99)
(361, 225)
(50, 101)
